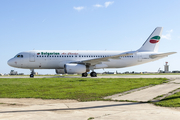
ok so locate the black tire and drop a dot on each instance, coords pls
(84, 74)
(31, 75)
(93, 74)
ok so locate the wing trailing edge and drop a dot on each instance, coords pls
(161, 55)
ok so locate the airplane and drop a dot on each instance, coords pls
(81, 62)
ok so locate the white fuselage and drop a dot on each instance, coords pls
(69, 61)
(56, 59)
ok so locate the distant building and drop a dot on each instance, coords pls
(109, 72)
(21, 74)
(176, 71)
(166, 68)
(12, 72)
(35, 73)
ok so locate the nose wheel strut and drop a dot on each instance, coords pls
(32, 73)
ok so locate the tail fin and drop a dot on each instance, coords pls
(152, 43)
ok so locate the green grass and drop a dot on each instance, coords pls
(81, 89)
(103, 74)
(170, 101)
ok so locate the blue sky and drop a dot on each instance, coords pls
(88, 25)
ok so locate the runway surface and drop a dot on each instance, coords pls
(104, 76)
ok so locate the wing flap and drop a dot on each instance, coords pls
(161, 55)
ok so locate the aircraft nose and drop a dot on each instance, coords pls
(10, 62)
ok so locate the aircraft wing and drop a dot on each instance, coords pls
(161, 55)
(105, 59)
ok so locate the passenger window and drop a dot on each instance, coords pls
(22, 56)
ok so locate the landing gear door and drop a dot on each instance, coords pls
(32, 57)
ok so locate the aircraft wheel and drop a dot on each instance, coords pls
(84, 74)
(31, 75)
(93, 74)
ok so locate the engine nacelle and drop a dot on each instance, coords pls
(75, 68)
(59, 71)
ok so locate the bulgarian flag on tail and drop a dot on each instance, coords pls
(155, 39)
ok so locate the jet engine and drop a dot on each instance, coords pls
(59, 71)
(75, 68)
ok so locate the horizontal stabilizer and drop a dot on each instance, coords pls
(161, 55)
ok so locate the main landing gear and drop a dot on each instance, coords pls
(92, 74)
(84, 74)
(32, 73)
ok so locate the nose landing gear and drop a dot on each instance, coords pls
(32, 73)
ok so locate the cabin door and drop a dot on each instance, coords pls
(32, 57)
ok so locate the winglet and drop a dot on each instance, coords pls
(152, 43)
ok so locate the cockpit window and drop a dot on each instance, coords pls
(19, 56)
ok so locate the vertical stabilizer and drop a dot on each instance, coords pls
(152, 43)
